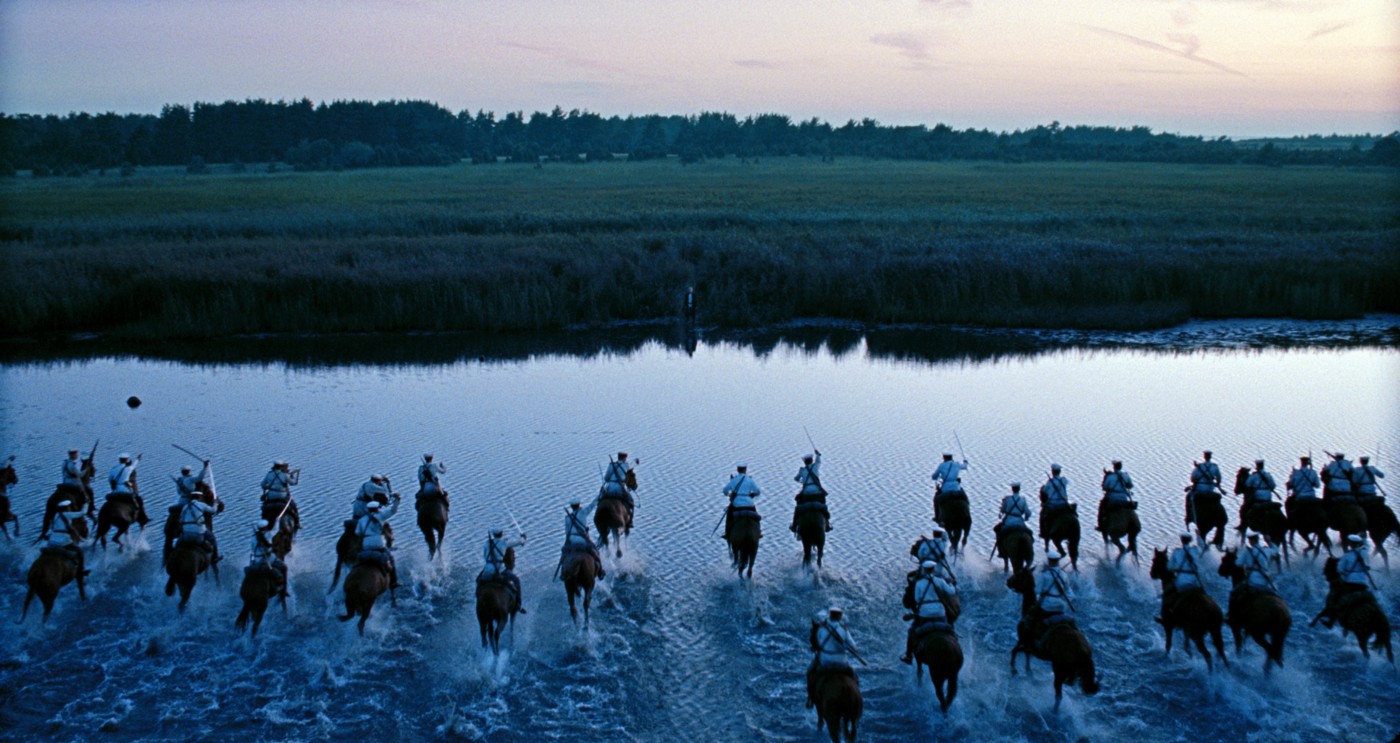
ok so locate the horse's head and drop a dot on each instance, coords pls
(1159, 564)
(7, 475)
(88, 470)
(1329, 570)
(80, 528)
(1241, 477)
(1022, 580)
(1228, 568)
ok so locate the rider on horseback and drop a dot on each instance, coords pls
(1014, 512)
(1254, 560)
(494, 567)
(1117, 488)
(72, 473)
(1205, 476)
(193, 513)
(187, 484)
(576, 534)
(63, 536)
(262, 555)
(370, 529)
(277, 491)
(948, 479)
(1303, 482)
(1183, 564)
(812, 495)
(1259, 490)
(1052, 603)
(741, 490)
(1363, 480)
(620, 481)
(925, 598)
(1354, 576)
(933, 548)
(122, 480)
(374, 490)
(428, 483)
(1336, 477)
(1054, 497)
(831, 642)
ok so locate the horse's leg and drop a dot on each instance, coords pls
(952, 690)
(821, 547)
(573, 610)
(335, 578)
(587, 602)
(1059, 688)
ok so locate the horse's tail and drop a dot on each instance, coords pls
(241, 623)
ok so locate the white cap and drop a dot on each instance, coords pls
(1015, 486)
(1251, 534)
(1356, 539)
(280, 463)
(1054, 468)
(1052, 555)
(937, 529)
(819, 617)
(834, 612)
(576, 503)
(498, 531)
(64, 504)
(260, 524)
(376, 477)
(1186, 536)
(374, 505)
(426, 457)
(741, 466)
(186, 468)
(928, 565)
(73, 449)
(123, 456)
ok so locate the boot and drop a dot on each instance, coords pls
(907, 660)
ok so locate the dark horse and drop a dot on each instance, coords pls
(173, 529)
(839, 703)
(1269, 520)
(8, 478)
(579, 571)
(363, 586)
(1307, 517)
(53, 569)
(611, 522)
(1359, 613)
(119, 514)
(1345, 514)
(187, 561)
(744, 533)
(288, 523)
(496, 605)
(956, 517)
(347, 551)
(1016, 547)
(79, 495)
(432, 520)
(1380, 522)
(1120, 522)
(1205, 510)
(1262, 614)
(811, 529)
(940, 651)
(1061, 528)
(1194, 611)
(1062, 644)
(259, 586)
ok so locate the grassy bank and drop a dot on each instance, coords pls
(514, 247)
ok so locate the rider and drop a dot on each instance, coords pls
(370, 529)
(948, 479)
(741, 490)
(932, 548)
(620, 481)
(1354, 574)
(277, 490)
(1363, 480)
(72, 472)
(818, 620)
(1205, 476)
(833, 641)
(62, 535)
(576, 535)
(374, 489)
(187, 484)
(1254, 559)
(428, 482)
(1052, 597)
(812, 494)
(1183, 564)
(1336, 477)
(1014, 511)
(122, 480)
(1054, 497)
(925, 598)
(262, 554)
(1303, 482)
(1117, 491)
(193, 514)
(494, 558)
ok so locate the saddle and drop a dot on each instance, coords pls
(806, 499)
(810, 505)
(63, 552)
(925, 627)
(71, 489)
(1046, 624)
(375, 559)
(745, 513)
(503, 579)
(195, 543)
(1354, 599)
(126, 498)
(958, 494)
(624, 496)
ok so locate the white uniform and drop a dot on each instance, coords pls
(121, 477)
(192, 518)
(742, 490)
(1304, 482)
(1052, 590)
(371, 527)
(1353, 567)
(1337, 473)
(1363, 479)
(261, 550)
(1118, 486)
(615, 478)
(493, 554)
(576, 529)
(808, 476)
(949, 476)
(832, 642)
(1184, 565)
(1260, 487)
(366, 496)
(1015, 511)
(933, 548)
(928, 605)
(1254, 560)
(72, 472)
(186, 485)
(428, 476)
(277, 484)
(1206, 476)
(1055, 491)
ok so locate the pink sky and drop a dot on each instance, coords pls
(1211, 67)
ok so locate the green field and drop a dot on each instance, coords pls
(509, 247)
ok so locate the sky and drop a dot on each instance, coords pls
(1237, 68)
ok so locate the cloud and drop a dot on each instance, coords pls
(1188, 51)
(565, 55)
(1321, 31)
(757, 64)
(909, 45)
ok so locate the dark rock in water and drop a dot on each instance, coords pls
(133, 402)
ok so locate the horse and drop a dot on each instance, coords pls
(941, 652)
(432, 520)
(1307, 517)
(259, 586)
(1061, 528)
(1016, 547)
(955, 516)
(119, 514)
(8, 478)
(839, 704)
(1193, 610)
(1205, 510)
(611, 521)
(173, 527)
(579, 571)
(288, 521)
(1067, 649)
(1120, 522)
(1359, 613)
(187, 562)
(1346, 516)
(744, 534)
(347, 551)
(1264, 616)
(1269, 520)
(1380, 522)
(79, 495)
(53, 569)
(363, 586)
(495, 607)
(811, 529)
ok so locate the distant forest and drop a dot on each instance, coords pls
(362, 134)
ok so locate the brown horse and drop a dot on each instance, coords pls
(1118, 523)
(496, 606)
(173, 528)
(363, 586)
(116, 513)
(1062, 530)
(259, 586)
(1307, 517)
(288, 521)
(1063, 644)
(744, 534)
(187, 562)
(839, 704)
(1016, 547)
(432, 521)
(52, 570)
(611, 521)
(347, 551)
(8, 478)
(811, 529)
(80, 496)
(956, 517)
(1346, 516)
(1359, 613)
(1264, 616)
(1380, 522)
(941, 652)
(1269, 520)
(1195, 612)
(1205, 510)
(579, 571)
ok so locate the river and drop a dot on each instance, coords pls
(678, 647)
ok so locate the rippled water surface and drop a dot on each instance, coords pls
(678, 649)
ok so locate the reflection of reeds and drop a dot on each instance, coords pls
(508, 248)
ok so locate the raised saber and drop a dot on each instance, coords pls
(961, 453)
(187, 451)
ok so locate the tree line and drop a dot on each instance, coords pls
(358, 134)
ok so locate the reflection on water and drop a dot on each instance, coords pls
(679, 649)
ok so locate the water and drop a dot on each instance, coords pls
(678, 648)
